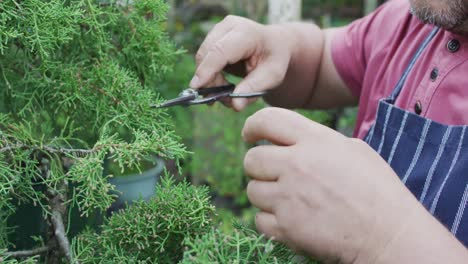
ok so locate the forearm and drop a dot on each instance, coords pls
(305, 42)
(417, 238)
(424, 240)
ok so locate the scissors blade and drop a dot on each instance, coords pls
(182, 100)
(210, 99)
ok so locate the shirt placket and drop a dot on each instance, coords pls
(450, 54)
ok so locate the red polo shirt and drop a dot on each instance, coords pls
(372, 53)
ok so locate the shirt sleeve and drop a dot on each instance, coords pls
(352, 45)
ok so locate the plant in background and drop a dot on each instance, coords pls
(77, 78)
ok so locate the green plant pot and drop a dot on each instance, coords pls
(132, 187)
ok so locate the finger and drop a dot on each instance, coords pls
(280, 126)
(268, 225)
(244, 102)
(217, 33)
(218, 80)
(264, 162)
(226, 101)
(262, 194)
(232, 48)
(267, 75)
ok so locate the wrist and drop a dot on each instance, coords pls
(382, 242)
(416, 237)
(396, 217)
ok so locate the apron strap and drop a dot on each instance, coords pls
(396, 91)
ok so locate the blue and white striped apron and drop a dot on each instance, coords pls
(429, 157)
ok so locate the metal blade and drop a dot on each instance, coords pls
(183, 100)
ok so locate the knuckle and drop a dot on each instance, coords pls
(282, 227)
(217, 48)
(249, 122)
(258, 222)
(261, 117)
(249, 160)
(230, 18)
(250, 189)
(248, 86)
(267, 113)
(258, 119)
(296, 168)
(262, 226)
(201, 73)
(199, 56)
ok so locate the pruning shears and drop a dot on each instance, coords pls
(206, 96)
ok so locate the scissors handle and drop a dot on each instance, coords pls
(226, 91)
(217, 89)
(247, 95)
(214, 94)
(206, 96)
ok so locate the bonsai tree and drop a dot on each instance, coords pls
(168, 229)
(77, 78)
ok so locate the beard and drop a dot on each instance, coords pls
(447, 14)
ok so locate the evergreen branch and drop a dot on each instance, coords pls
(60, 234)
(29, 253)
(58, 150)
(105, 93)
(56, 200)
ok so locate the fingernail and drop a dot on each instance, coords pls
(195, 82)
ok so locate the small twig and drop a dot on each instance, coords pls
(29, 253)
(60, 234)
(56, 150)
(56, 200)
(105, 93)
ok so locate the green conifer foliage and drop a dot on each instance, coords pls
(152, 231)
(170, 229)
(77, 78)
(243, 246)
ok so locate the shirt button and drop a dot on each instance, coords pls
(418, 108)
(434, 74)
(453, 45)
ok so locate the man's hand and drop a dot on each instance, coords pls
(334, 197)
(257, 51)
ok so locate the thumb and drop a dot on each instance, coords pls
(266, 76)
